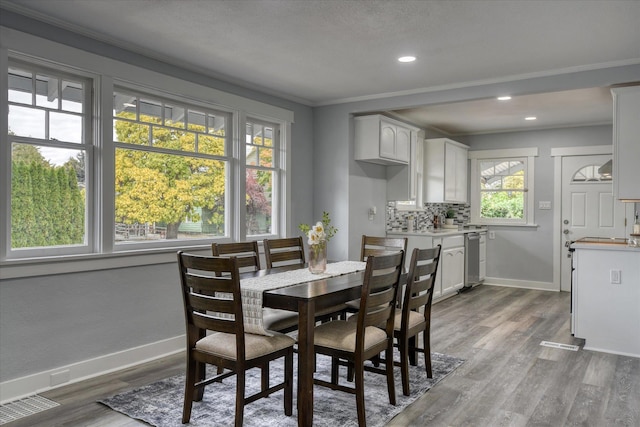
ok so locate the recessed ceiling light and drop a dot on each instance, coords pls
(406, 59)
(504, 98)
(531, 118)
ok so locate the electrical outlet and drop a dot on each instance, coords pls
(492, 235)
(616, 276)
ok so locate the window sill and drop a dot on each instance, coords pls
(12, 269)
(489, 224)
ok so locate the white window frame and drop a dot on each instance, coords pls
(277, 186)
(526, 154)
(157, 95)
(108, 72)
(89, 132)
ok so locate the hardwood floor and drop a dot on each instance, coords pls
(508, 379)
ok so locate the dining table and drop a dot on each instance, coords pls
(306, 299)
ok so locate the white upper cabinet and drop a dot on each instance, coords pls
(405, 182)
(382, 140)
(626, 142)
(445, 171)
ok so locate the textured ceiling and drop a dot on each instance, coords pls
(323, 52)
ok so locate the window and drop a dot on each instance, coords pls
(171, 168)
(590, 173)
(261, 176)
(92, 165)
(50, 143)
(502, 186)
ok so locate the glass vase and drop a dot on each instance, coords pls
(318, 257)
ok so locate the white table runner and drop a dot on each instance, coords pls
(253, 287)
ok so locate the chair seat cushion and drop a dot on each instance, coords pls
(354, 305)
(224, 345)
(278, 320)
(341, 335)
(415, 319)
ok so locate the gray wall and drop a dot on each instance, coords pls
(521, 252)
(52, 321)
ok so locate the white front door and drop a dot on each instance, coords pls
(589, 208)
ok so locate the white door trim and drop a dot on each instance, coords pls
(558, 154)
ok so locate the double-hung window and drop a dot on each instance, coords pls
(171, 169)
(262, 177)
(50, 143)
(502, 186)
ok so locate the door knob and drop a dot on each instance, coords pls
(565, 231)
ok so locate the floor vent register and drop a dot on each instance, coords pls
(560, 346)
(18, 409)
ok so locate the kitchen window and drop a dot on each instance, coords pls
(502, 186)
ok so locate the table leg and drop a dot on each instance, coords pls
(306, 362)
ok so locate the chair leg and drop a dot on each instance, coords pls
(413, 352)
(391, 385)
(240, 385)
(288, 388)
(427, 353)
(403, 346)
(190, 380)
(335, 370)
(264, 376)
(359, 389)
(201, 372)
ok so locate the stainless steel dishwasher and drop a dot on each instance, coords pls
(471, 261)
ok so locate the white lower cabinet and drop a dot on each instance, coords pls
(451, 269)
(450, 276)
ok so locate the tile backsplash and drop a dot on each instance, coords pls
(397, 219)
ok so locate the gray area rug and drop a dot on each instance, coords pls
(160, 403)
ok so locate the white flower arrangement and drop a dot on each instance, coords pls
(321, 232)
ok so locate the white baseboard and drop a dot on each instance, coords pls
(525, 284)
(65, 375)
(608, 350)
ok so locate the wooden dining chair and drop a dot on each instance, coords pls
(286, 251)
(247, 253)
(374, 245)
(354, 341)
(211, 285)
(415, 317)
(248, 256)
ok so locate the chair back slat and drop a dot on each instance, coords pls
(378, 246)
(287, 251)
(247, 253)
(206, 302)
(212, 323)
(208, 284)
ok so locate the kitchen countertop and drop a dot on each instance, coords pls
(605, 246)
(438, 232)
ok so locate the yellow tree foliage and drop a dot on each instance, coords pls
(163, 188)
